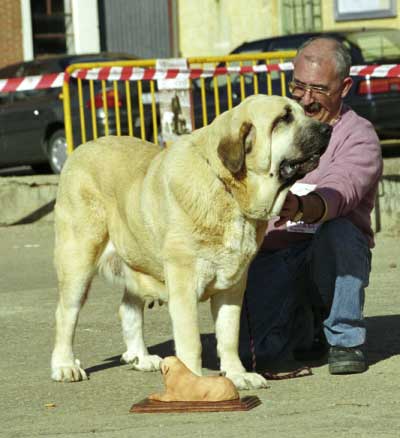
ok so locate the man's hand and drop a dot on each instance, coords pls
(289, 209)
(313, 208)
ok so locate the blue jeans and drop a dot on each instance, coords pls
(329, 272)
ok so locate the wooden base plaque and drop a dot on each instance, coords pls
(147, 406)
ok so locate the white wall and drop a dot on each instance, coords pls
(85, 26)
(215, 27)
(26, 19)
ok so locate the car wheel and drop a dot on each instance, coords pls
(57, 150)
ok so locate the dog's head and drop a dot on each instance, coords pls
(265, 144)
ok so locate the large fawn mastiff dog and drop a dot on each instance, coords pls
(180, 224)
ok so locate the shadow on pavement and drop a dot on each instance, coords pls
(383, 337)
(110, 362)
(209, 355)
(383, 343)
(37, 214)
(209, 350)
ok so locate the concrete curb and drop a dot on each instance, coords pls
(27, 199)
(388, 204)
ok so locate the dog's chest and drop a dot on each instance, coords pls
(233, 257)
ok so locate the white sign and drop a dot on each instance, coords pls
(175, 101)
(177, 83)
(302, 189)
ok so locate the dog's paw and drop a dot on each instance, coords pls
(148, 362)
(68, 373)
(248, 380)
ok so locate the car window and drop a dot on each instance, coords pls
(378, 46)
(222, 80)
(41, 68)
(287, 44)
(249, 78)
(254, 46)
(12, 71)
(64, 63)
(29, 94)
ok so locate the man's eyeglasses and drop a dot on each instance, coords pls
(299, 90)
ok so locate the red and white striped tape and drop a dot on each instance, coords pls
(145, 74)
(52, 80)
(136, 73)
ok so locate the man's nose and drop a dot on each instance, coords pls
(307, 97)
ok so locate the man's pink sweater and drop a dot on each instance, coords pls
(347, 178)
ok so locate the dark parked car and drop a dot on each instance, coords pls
(377, 99)
(32, 122)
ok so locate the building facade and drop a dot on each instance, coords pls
(11, 34)
(171, 28)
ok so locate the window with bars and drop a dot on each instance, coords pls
(51, 24)
(301, 16)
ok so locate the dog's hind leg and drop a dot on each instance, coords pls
(75, 263)
(73, 292)
(132, 320)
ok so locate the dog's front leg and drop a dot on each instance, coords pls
(183, 309)
(226, 308)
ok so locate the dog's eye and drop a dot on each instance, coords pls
(288, 116)
(285, 118)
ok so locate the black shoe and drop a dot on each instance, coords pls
(346, 360)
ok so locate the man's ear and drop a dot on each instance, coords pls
(347, 83)
(232, 150)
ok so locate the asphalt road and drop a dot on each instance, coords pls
(31, 405)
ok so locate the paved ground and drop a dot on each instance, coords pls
(31, 405)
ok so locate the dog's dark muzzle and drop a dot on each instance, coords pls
(313, 146)
(298, 168)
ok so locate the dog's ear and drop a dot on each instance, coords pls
(232, 150)
(164, 368)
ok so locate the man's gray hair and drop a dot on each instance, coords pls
(341, 54)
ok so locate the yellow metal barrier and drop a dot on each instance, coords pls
(123, 107)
